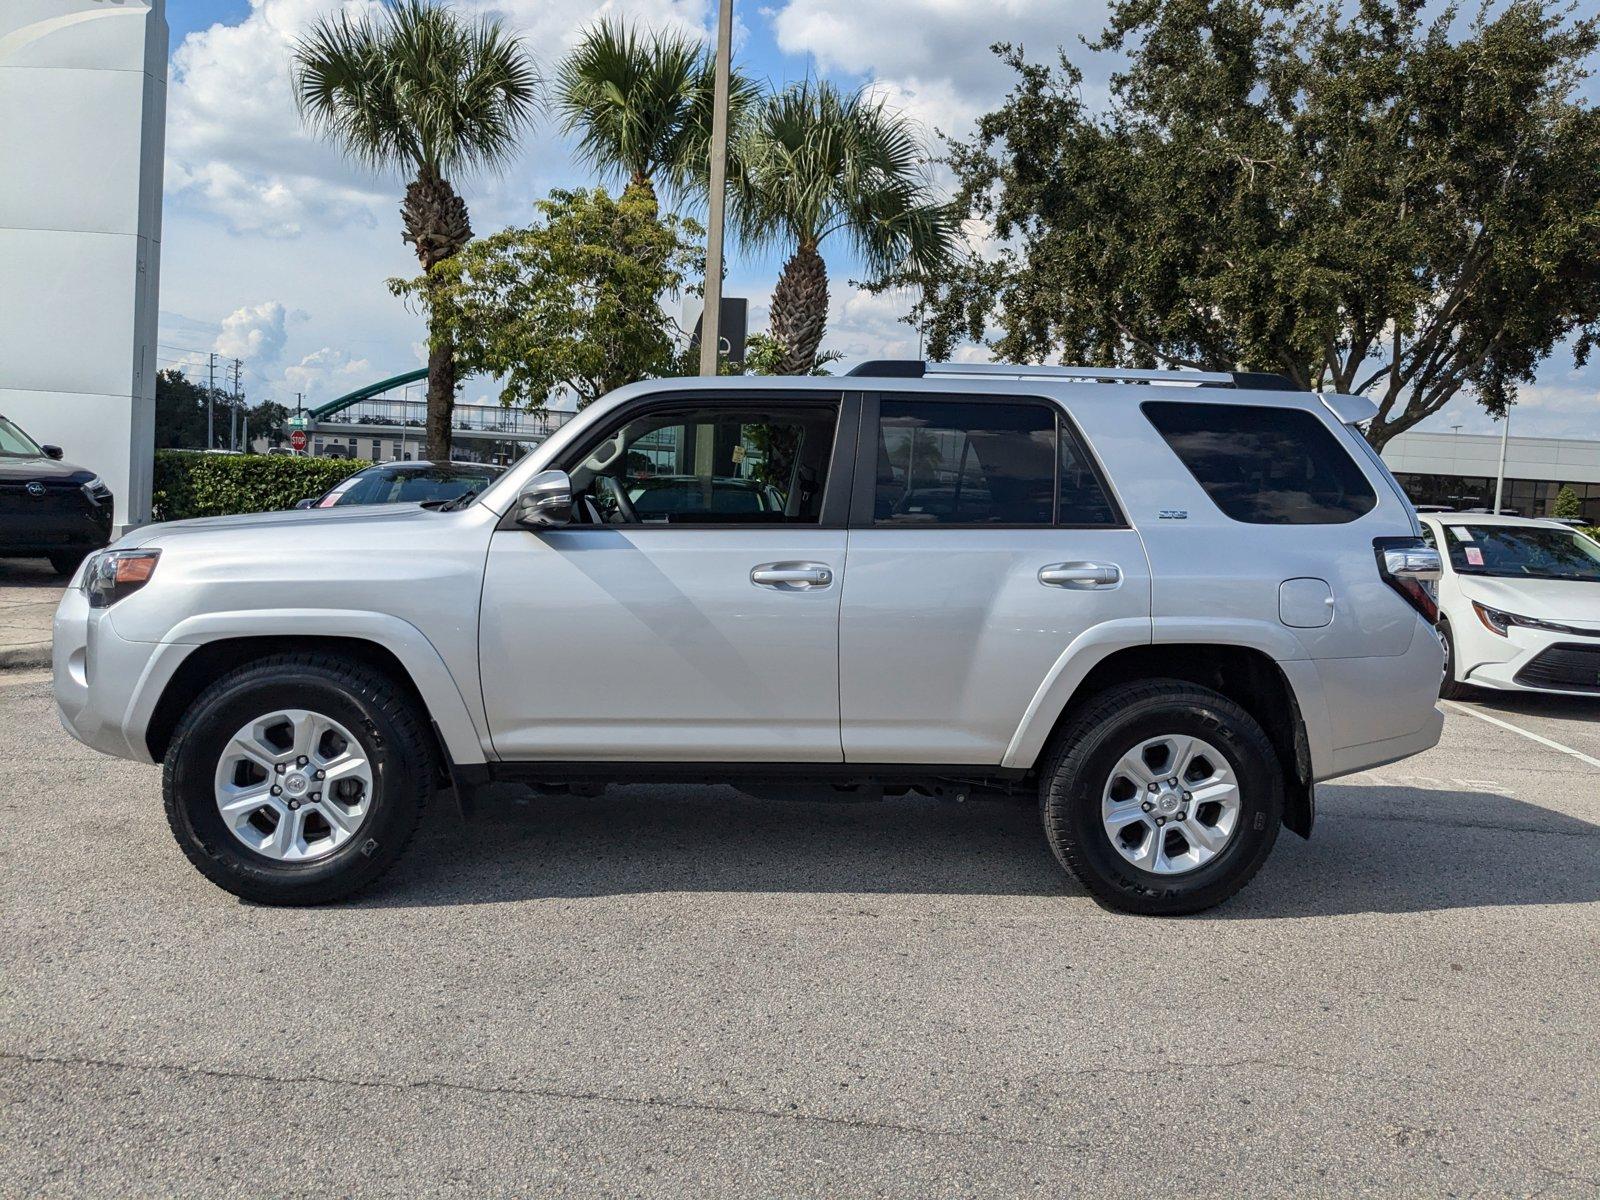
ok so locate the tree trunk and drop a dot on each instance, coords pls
(799, 312)
(434, 220)
(441, 401)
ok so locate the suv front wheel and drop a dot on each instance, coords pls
(1162, 797)
(298, 779)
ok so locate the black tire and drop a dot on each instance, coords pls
(1078, 768)
(368, 703)
(1449, 687)
(65, 562)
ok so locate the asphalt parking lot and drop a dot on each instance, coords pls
(675, 991)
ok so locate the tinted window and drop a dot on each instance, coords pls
(713, 465)
(1267, 466)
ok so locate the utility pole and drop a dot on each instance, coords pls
(710, 318)
(1500, 475)
(211, 395)
(233, 411)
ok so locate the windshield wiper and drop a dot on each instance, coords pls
(460, 501)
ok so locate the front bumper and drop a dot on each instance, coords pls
(1536, 660)
(106, 686)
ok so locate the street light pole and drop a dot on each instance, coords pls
(710, 318)
(1500, 475)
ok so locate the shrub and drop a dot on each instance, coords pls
(188, 483)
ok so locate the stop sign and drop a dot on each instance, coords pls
(297, 439)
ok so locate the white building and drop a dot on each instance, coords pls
(1458, 469)
(82, 121)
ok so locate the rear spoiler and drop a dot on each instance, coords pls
(1351, 410)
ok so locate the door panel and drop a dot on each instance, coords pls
(654, 644)
(947, 634)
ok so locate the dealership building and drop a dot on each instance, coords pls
(1458, 470)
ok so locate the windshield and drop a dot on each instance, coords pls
(1522, 552)
(378, 486)
(16, 444)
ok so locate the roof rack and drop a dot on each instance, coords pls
(915, 368)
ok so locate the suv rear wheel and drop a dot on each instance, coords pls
(1162, 797)
(298, 779)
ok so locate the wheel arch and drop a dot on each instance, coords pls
(1247, 675)
(427, 683)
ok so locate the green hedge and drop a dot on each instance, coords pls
(189, 483)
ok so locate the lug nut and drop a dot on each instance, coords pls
(276, 790)
(1187, 796)
(316, 795)
(320, 774)
(1182, 816)
(280, 768)
(1155, 787)
(293, 804)
(1147, 806)
(1161, 820)
(301, 761)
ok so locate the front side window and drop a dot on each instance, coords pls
(956, 462)
(16, 444)
(1522, 552)
(1265, 466)
(713, 465)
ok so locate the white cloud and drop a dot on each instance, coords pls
(326, 373)
(257, 333)
(933, 54)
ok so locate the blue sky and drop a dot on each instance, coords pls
(275, 250)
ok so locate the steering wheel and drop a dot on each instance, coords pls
(620, 494)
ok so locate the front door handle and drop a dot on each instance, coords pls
(1081, 575)
(792, 576)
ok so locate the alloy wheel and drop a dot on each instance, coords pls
(1171, 804)
(293, 785)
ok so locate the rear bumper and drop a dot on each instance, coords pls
(1382, 709)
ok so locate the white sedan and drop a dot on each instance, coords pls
(1519, 604)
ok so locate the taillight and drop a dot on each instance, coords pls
(1411, 567)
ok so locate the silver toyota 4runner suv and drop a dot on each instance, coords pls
(1165, 603)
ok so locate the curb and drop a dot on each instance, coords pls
(26, 657)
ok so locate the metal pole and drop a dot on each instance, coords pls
(710, 319)
(1500, 475)
(211, 395)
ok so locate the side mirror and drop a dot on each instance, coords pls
(546, 501)
(51, 451)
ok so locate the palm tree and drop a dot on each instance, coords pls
(814, 161)
(429, 93)
(641, 106)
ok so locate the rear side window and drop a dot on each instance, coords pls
(952, 462)
(1265, 466)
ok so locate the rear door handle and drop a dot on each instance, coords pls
(1081, 575)
(792, 576)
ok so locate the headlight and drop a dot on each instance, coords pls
(112, 575)
(1499, 622)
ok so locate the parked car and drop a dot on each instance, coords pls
(1162, 611)
(1519, 604)
(48, 508)
(406, 482)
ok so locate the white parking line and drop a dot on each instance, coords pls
(1527, 733)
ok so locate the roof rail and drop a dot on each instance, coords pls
(912, 368)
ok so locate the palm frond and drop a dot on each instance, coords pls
(640, 105)
(814, 160)
(417, 87)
